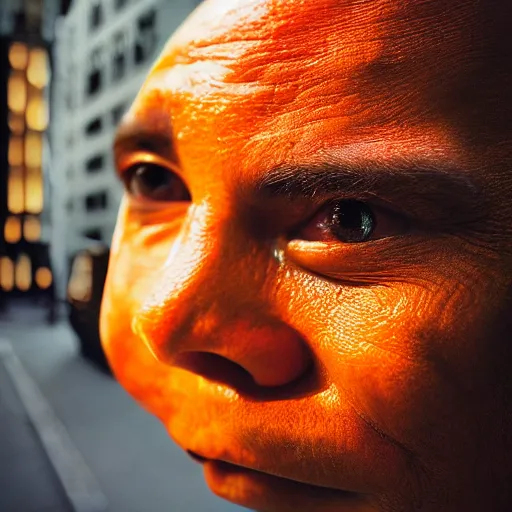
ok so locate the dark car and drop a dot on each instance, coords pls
(84, 293)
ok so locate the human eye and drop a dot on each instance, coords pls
(351, 221)
(149, 182)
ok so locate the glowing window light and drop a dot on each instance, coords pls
(32, 229)
(16, 123)
(44, 277)
(17, 93)
(37, 72)
(33, 149)
(80, 283)
(15, 151)
(37, 113)
(34, 190)
(12, 230)
(23, 273)
(15, 202)
(18, 56)
(6, 274)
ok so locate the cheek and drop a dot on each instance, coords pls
(133, 272)
(398, 354)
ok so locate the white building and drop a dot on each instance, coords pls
(102, 52)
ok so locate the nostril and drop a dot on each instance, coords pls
(216, 368)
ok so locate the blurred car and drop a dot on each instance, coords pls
(84, 294)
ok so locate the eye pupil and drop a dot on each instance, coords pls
(156, 183)
(352, 221)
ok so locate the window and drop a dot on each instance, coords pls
(94, 126)
(119, 60)
(117, 113)
(145, 38)
(97, 201)
(95, 164)
(95, 76)
(95, 15)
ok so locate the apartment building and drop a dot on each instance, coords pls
(103, 50)
(26, 29)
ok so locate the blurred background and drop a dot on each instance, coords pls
(70, 438)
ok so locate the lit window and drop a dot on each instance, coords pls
(12, 230)
(34, 190)
(17, 93)
(15, 151)
(43, 277)
(37, 72)
(15, 190)
(23, 273)
(37, 113)
(32, 229)
(80, 282)
(33, 149)
(6, 274)
(16, 123)
(18, 56)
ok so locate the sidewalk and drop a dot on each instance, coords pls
(110, 441)
(28, 482)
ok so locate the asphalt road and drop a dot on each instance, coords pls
(137, 466)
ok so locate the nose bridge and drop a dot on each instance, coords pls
(198, 287)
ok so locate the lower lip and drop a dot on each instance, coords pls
(263, 492)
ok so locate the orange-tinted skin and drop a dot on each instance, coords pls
(382, 368)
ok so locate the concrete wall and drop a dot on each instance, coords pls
(79, 49)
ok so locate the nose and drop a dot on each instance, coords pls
(209, 299)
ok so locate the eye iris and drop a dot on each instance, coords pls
(156, 183)
(152, 179)
(352, 221)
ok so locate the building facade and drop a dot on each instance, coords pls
(102, 53)
(26, 29)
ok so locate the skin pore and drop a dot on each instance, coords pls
(310, 276)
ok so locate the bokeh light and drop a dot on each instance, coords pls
(33, 149)
(34, 190)
(15, 151)
(18, 56)
(32, 229)
(12, 230)
(43, 277)
(37, 72)
(15, 202)
(17, 93)
(37, 112)
(6, 274)
(23, 273)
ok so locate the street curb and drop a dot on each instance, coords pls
(77, 480)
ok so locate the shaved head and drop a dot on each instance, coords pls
(311, 272)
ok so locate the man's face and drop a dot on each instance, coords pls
(309, 282)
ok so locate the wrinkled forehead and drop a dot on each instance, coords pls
(370, 64)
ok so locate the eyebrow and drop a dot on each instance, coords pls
(436, 181)
(148, 135)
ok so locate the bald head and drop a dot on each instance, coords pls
(310, 278)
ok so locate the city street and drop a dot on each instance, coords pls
(136, 466)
